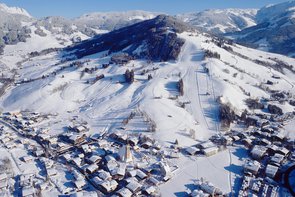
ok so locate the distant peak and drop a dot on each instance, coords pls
(14, 10)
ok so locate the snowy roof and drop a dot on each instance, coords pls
(124, 192)
(192, 150)
(134, 186)
(92, 167)
(51, 172)
(104, 174)
(252, 166)
(258, 151)
(207, 144)
(150, 190)
(29, 191)
(80, 183)
(94, 159)
(3, 176)
(140, 174)
(277, 158)
(271, 170)
(210, 150)
(109, 185)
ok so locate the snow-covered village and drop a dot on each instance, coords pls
(144, 103)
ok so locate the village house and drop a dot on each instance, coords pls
(149, 191)
(140, 174)
(166, 170)
(26, 180)
(258, 152)
(3, 180)
(94, 159)
(153, 181)
(77, 139)
(134, 186)
(51, 172)
(252, 166)
(271, 170)
(79, 184)
(28, 192)
(192, 150)
(104, 175)
(27, 159)
(91, 168)
(277, 159)
(205, 145)
(108, 186)
(124, 192)
(210, 151)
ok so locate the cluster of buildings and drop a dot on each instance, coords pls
(119, 163)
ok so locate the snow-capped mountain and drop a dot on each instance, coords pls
(221, 21)
(112, 20)
(274, 31)
(14, 10)
(17, 25)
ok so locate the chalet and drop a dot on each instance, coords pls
(271, 170)
(283, 151)
(133, 141)
(93, 159)
(153, 181)
(277, 136)
(3, 177)
(77, 161)
(192, 150)
(277, 159)
(28, 192)
(258, 152)
(173, 154)
(3, 180)
(27, 159)
(210, 189)
(124, 192)
(140, 174)
(150, 191)
(165, 168)
(80, 129)
(210, 151)
(92, 168)
(199, 193)
(79, 184)
(235, 138)
(39, 153)
(247, 142)
(77, 139)
(146, 145)
(134, 186)
(252, 167)
(104, 175)
(85, 194)
(207, 144)
(108, 186)
(97, 181)
(51, 172)
(131, 173)
(85, 148)
(119, 173)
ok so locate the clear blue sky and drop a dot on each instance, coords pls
(74, 8)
